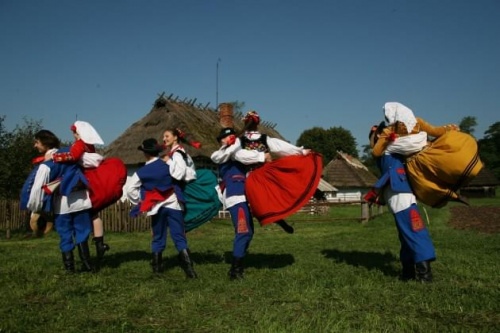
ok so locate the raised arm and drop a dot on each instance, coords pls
(75, 153)
(284, 148)
(225, 152)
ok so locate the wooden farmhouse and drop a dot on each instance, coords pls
(349, 176)
(482, 186)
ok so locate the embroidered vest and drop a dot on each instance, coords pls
(394, 172)
(156, 175)
(259, 144)
(233, 178)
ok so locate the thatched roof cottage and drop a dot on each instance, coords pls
(200, 123)
(349, 176)
(482, 186)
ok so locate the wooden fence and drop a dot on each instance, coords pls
(116, 217)
(366, 211)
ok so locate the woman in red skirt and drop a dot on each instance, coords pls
(277, 189)
(106, 177)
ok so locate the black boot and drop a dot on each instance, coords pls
(236, 271)
(157, 262)
(423, 271)
(408, 270)
(100, 246)
(69, 261)
(288, 228)
(187, 264)
(83, 251)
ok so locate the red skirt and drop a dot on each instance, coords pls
(281, 187)
(106, 183)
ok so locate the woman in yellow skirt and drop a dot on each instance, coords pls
(438, 168)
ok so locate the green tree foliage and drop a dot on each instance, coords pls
(369, 161)
(16, 152)
(467, 125)
(489, 148)
(328, 141)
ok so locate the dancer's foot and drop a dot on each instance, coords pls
(288, 228)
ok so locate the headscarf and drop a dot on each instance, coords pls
(87, 133)
(252, 116)
(395, 111)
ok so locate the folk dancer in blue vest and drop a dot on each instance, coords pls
(45, 141)
(157, 194)
(232, 186)
(417, 250)
(70, 204)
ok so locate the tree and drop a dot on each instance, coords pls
(328, 141)
(16, 153)
(467, 125)
(369, 161)
(489, 148)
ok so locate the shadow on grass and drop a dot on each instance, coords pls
(369, 260)
(255, 260)
(263, 260)
(114, 260)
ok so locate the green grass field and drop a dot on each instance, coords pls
(339, 276)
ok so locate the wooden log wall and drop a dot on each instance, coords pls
(116, 217)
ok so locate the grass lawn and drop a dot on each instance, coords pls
(337, 276)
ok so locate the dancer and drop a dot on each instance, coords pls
(201, 202)
(417, 251)
(45, 142)
(71, 205)
(277, 189)
(232, 186)
(106, 176)
(153, 189)
(436, 169)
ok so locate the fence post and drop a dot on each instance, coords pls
(365, 212)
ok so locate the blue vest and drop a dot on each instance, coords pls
(70, 174)
(233, 178)
(156, 175)
(394, 173)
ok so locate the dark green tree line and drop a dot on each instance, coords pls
(328, 141)
(16, 153)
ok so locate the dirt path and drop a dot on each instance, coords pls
(481, 218)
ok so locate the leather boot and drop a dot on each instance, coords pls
(187, 264)
(408, 272)
(236, 271)
(68, 261)
(100, 246)
(288, 228)
(157, 262)
(423, 271)
(84, 253)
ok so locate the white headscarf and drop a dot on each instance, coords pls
(88, 133)
(395, 111)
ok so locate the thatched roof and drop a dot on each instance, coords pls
(325, 186)
(346, 171)
(484, 178)
(200, 123)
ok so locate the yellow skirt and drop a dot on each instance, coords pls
(438, 171)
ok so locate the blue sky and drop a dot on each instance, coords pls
(300, 64)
